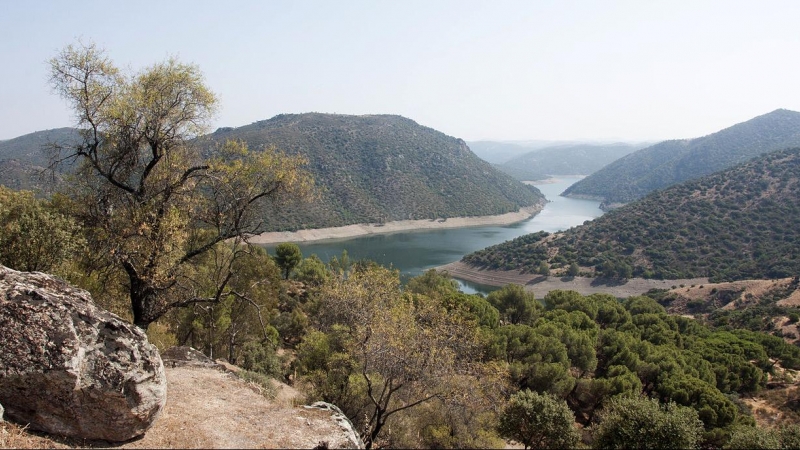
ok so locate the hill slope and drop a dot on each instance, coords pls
(579, 159)
(735, 224)
(23, 159)
(672, 162)
(382, 168)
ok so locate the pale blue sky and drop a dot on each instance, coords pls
(503, 70)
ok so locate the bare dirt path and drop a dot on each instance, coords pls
(541, 285)
(209, 408)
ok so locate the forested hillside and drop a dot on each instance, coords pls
(672, 162)
(367, 169)
(735, 224)
(381, 168)
(579, 159)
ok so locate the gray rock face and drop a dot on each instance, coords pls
(70, 368)
(351, 437)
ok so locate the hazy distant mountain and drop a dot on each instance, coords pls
(498, 152)
(740, 223)
(23, 159)
(577, 159)
(672, 162)
(379, 168)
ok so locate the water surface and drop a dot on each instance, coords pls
(414, 252)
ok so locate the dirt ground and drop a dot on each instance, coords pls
(210, 408)
(541, 285)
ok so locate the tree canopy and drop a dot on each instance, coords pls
(149, 201)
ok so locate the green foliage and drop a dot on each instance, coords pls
(630, 422)
(287, 257)
(516, 306)
(726, 226)
(744, 437)
(433, 284)
(237, 327)
(672, 162)
(382, 351)
(34, 236)
(312, 271)
(150, 203)
(539, 421)
(380, 168)
(261, 357)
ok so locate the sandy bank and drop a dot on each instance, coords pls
(365, 229)
(541, 285)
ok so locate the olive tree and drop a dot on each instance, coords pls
(150, 201)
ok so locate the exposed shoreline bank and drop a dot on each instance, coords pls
(541, 285)
(365, 229)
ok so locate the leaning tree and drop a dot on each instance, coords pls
(150, 198)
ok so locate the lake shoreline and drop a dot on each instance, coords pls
(540, 285)
(365, 229)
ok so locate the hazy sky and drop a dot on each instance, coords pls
(502, 70)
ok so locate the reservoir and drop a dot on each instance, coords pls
(414, 252)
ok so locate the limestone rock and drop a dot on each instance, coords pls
(180, 356)
(348, 431)
(70, 368)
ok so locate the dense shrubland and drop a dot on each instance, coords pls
(671, 162)
(736, 224)
(380, 168)
(426, 365)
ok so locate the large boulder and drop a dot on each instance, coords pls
(70, 368)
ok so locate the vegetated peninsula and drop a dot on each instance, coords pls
(381, 168)
(736, 224)
(577, 159)
(672, 162)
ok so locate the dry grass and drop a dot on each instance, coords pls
(208, 408)
(16, 436)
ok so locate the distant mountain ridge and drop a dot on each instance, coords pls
(671, 162)
(379, 168)
(736, 224)
(576, 159)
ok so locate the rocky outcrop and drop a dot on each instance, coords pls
(70, 368)
(348, 431)
(180, 356)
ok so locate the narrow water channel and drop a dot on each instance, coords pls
(414, 252)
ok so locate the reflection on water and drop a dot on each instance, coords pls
(417, 251)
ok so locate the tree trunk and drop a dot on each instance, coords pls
(142, 298)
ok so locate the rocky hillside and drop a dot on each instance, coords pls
(736, 224)
(672, 162)
(578, 159)
(381, 168)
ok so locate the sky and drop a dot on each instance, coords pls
(477, 70)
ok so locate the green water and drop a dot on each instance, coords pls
(417, 251)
